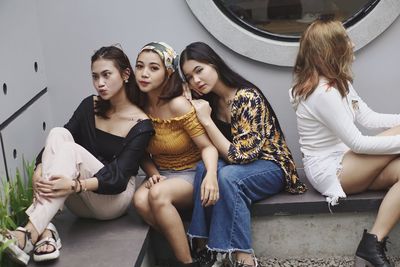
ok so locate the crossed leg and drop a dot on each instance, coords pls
(375, 172)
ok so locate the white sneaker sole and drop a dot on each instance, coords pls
(17, 255)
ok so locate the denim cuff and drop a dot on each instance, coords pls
(190, 236)
(231, 250)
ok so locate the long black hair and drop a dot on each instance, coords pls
(203, 53)
(122, 63)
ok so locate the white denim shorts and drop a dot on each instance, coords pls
(323, 173)
(187, 174)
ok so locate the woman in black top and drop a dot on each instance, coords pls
(89, 164)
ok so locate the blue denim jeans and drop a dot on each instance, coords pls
(227, 224)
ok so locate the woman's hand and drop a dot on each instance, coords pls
(203, 111)
(154, 179)
(209, 190)
(56, 186)
(187, 93)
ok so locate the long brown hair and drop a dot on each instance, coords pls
(325, 50)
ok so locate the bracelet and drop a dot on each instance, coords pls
(84, 188)
(80, 186)
(74, 185)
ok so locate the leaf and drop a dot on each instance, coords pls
(16, 197)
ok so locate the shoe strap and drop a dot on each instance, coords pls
(46, 241)
(28, 246)
(53, 231)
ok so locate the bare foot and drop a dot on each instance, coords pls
(245, 258)
(45, 248)
(20, 236)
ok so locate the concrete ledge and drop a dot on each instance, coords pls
(309, 231)
(122, 242)
(312, 202)
(315, 236)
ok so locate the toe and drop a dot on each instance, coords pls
(49, 248)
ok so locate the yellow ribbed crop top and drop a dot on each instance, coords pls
(172, 146)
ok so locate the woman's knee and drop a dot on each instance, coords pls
(60, 132)
(158, 196)
(226, 176)
(57, 137)
(140, 202)
(392, 131)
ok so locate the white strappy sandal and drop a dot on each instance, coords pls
(53, 241)
(17, 254)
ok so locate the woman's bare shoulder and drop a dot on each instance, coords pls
(179, 106)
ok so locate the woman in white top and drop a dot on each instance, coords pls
(338, 158)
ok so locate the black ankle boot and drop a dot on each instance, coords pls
(371, 252)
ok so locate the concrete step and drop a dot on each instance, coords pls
(121, 242)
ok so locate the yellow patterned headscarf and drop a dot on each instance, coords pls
(166, 53)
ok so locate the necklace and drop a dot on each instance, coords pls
(229, 102)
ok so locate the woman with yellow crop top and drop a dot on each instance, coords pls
(178, 144)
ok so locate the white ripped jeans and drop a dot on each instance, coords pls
(63, 156)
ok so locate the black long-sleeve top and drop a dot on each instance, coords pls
(115, 174)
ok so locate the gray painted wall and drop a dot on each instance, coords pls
(71, 30)
(22, 133)
(62, 35)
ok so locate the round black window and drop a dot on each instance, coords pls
(285, 20)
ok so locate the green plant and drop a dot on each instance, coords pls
(15, 198)
(21, 194)
(6, 221)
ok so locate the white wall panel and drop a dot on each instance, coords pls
(20, 48)
(24, 137)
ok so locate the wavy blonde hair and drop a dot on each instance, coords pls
(325, 50)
